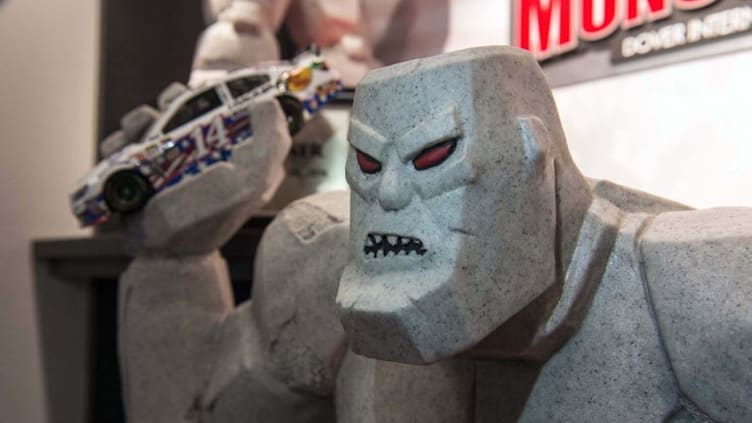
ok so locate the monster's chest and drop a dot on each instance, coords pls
(612, 369)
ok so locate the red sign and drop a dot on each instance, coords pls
(549, 28)
(581, 40)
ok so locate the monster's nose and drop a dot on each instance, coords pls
(395, 191)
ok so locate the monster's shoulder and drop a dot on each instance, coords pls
(633, 200)
(698, 271)
(297, 270)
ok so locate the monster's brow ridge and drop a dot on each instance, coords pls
(366, 139)
(437, 128)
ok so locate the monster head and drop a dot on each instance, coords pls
(453, 204)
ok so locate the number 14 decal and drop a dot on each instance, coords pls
(211, 137)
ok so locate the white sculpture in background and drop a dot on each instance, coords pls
(355, 35)
(476, 276)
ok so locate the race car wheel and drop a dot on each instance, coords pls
(293, 109)
(126, 191)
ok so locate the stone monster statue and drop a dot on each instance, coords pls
(477, 276)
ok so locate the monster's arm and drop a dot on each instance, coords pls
(278, 355)
(698, 271)
(185, 353)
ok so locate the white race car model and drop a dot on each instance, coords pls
(200, 128)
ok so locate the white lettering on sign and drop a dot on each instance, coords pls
(715, 25)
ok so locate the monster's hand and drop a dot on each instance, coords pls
(203, 211)
(352, 56)
(241, 37)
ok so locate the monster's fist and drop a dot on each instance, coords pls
(202, 212)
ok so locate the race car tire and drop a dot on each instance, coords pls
(126, 191)
(293, 109)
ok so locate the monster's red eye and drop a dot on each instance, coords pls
(367, 163)
(434, 155)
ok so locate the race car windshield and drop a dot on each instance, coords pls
(194, 108)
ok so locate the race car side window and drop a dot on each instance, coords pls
(194, 108)
(242, 85)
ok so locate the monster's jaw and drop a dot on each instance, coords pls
(382, 245)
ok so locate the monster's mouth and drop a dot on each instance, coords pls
(390, 243)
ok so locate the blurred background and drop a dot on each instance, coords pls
(68, 70)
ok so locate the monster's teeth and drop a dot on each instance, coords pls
(395, 244)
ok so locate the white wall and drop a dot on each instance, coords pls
(680, 131)
(48, 61)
